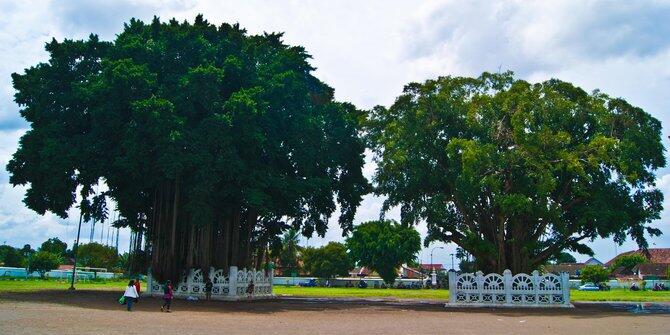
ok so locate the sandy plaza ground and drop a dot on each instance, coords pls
(97, 312)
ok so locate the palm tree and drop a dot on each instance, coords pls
(288, 256)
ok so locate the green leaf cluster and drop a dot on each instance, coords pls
(43, 262)
(594, 274)
(628, 261)
(96, 255)
(383, 246)
(11, 257)
(327, 261)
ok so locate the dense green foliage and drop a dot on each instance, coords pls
(211, 141)
(383, 246)
(96, 255)
(289, 251)
(594, 274)
(43, 262)
(514, 172)
(628, 261)
(11, 257)
(55, 246)
(328, 261)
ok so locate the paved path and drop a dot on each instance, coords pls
(88, 312)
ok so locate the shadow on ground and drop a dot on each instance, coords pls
(106, 300)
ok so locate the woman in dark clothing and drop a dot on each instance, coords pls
(208, 289)
(168, 294)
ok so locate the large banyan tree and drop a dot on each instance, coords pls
(210, 141)
(515, 173)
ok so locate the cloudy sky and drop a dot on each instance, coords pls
(367, 52)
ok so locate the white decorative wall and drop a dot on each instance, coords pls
(522, 290)
(230, 285)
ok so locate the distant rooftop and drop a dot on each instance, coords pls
(655, 255)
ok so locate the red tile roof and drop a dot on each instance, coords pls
(431, 266)
(652, 269)
(656, 255)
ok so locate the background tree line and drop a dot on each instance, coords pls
(54, 252)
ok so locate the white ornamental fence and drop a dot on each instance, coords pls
(225, 286)
(520, 290)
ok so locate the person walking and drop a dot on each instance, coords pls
(168, 294)
(208, 289)
(130, 295)
(250, 290)
(137, 285)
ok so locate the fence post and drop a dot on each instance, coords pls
(479, 279)
(232, 281)
(452, 287)
(272, 277)
(565, 285)
(536, 286)
(507, 276)
(150, 284)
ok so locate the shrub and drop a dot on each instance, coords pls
(43, 261)
(595, 274)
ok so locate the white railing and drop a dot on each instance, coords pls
(523, 290)
(231, 285)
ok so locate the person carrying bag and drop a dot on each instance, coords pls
(130, 295)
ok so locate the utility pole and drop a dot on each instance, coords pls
(102, 230)
(117, 241)
(90, 237)
(431, 256)
(74, 251)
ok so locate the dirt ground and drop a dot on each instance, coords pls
(96, 312)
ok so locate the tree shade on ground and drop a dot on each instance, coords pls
(514, 172)
(210, 140)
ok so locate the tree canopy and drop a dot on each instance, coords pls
(43, 262)
(211, 141)
(11, 257)
(328, 261)
(628, 261)
(383, 246)
(514, 172)
(594, 274)
(289, 251)
(96, 255)
(55, 246)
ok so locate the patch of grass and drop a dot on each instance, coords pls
(341, 292)
(31, 285)
(613, 295)
(620, 295)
